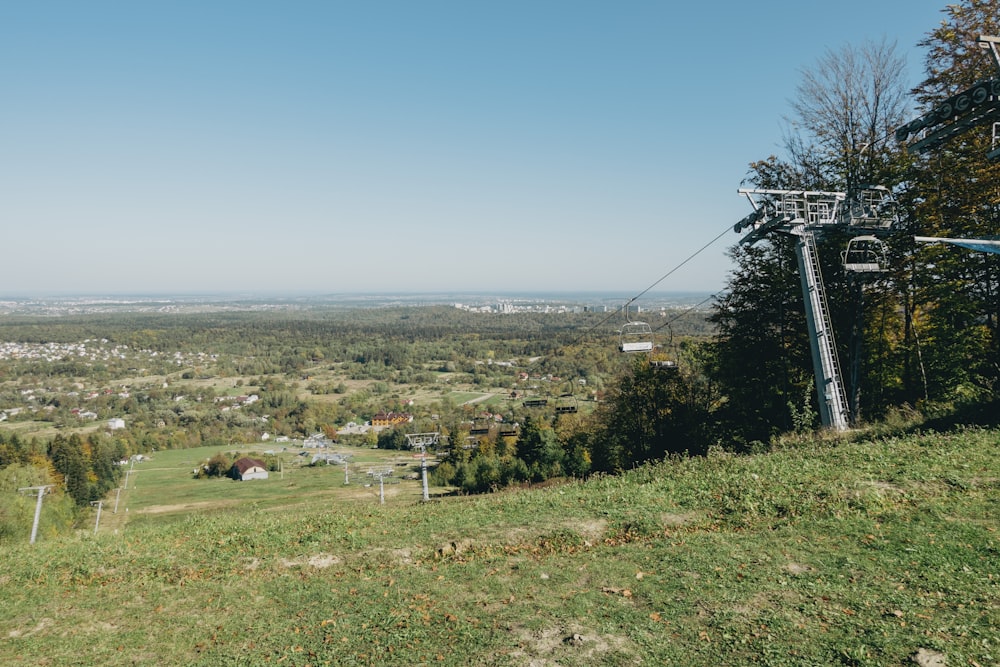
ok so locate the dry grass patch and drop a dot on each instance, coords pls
(573, 644)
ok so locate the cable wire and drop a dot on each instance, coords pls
(671, 271)
(686, 312)
(658, 281)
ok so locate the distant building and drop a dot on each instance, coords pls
(247, 468)
(114, 424)
(353, 428)
(391, 418)
(316, 440)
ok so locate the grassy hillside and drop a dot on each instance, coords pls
(873, 552)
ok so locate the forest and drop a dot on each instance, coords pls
(917, 339)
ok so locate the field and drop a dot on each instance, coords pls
(874, 552)
(164, 485)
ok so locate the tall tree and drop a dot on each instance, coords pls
(69, 461)
(650, 414)
(760, 358)
(846, 106)
(955, 192)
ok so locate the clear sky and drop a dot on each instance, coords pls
(397, 146)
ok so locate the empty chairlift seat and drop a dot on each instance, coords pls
(865, 254)
(635, 337)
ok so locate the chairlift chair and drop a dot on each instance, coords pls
(873, 208)
(661, 362)
(508, 430)
(865, 254)
(566, 404)
(480, 427)
(635, 337)
(532, 400)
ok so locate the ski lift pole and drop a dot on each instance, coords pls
(97, 522)
(129, 472)
(423, 476)
(40, 490)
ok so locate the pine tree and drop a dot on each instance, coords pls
(67, 458)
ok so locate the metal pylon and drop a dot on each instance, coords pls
(833, 407)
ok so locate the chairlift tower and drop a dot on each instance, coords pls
(380, 475)
(806, 215)
(422, 441)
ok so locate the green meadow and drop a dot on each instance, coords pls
(165, 484)
(868, 552)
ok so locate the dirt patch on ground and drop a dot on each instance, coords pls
(926, 657)
(317, 561)
(676, 520)
(883, 486)
(187, 507)
(797, 568)
(592, 531)
(574, 645)
(41, 625)
(753, 606)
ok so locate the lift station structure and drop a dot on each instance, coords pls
(869, 214)
(977, 106)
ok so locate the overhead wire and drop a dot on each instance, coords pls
(671, 271)
(686, 312)
(624, 307)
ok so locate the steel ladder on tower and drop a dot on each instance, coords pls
(833, 407)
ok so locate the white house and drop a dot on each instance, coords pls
(247, 468)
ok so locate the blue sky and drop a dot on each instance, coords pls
(397, 146)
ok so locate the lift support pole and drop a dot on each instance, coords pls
(38, 507)
(803, 215)
(830, 391)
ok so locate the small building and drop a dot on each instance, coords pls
(247, 468)
(113, 424)
(316, 440)
(391, 418)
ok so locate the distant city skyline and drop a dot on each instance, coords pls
(69, 304)
(328, 147)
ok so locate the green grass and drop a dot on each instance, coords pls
(854, 554)
(165, 484)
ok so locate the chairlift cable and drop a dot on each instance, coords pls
(686, 312)
(689, 258)
(624, 307)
